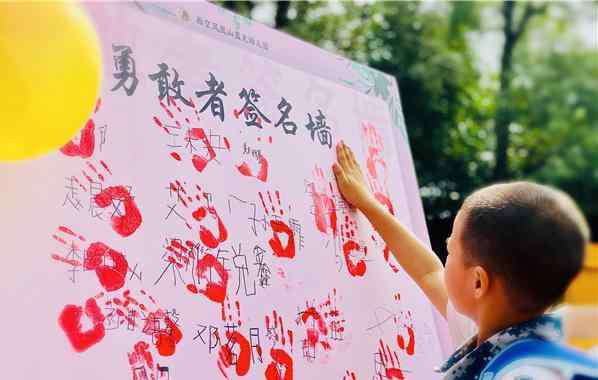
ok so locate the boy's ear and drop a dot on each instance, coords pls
(481, 281)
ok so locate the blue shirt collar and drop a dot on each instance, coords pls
(470, 358)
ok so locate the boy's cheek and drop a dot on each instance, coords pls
(449, 281)
(456, 285)
(452, 273)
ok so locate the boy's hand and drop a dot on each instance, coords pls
(417, 259)
(349, 177)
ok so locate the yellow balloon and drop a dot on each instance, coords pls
(50, 70)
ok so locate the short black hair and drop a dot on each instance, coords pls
(533, 236)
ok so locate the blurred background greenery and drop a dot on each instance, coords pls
(491, 91)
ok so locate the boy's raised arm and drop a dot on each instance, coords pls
(422, 265)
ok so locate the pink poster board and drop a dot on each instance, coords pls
(193, 228)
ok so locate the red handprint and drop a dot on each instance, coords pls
(165, 337)
(257, 167)
(127, 223)
(141, 362)
(375, 151)
(322, 321)
(261, 172)
(157, 323)
(204, 214)
(390, 363)
(281, 366)
(349, 375)
(110, 266)
(200, 162)
(324, 206)
(406, 334)
(70, 322)
(112, 277)
(377, 174)
(318, 331)
(205, 235)
(86, 145)
(279, 227)
(214, 290)
(226, 357)
(188, 120)
(353, 252)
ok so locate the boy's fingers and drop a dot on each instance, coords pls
(338, 170)
(345, 153)
(342, 156)
(352, 157)
(339, 150)
(338, 173)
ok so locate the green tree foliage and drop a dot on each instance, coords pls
(540, 100)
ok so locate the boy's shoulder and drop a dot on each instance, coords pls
(539, 359)
(469, 361)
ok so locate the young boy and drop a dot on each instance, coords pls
(513, 251)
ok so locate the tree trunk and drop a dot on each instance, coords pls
(282, 14)
(503, 117)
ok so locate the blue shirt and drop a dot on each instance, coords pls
(468, 361)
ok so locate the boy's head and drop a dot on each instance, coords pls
(524, 240)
